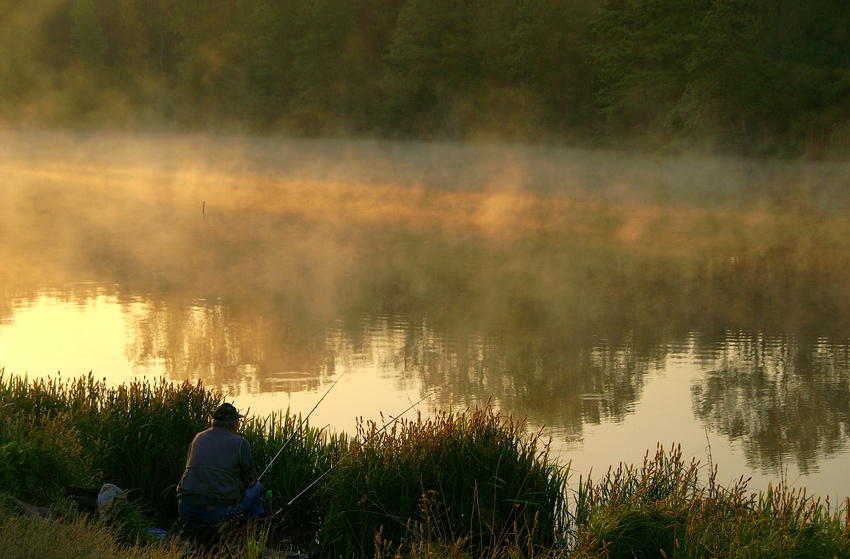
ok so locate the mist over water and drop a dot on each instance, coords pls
(618, 300)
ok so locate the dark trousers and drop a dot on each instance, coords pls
(251, 505)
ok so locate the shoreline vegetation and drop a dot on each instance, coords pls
(743, 77)
(462, 484)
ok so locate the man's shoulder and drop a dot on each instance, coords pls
(225, 434)
(218, 433)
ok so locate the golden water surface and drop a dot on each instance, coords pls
(619, 301)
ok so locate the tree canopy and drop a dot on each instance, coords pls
(768, 77)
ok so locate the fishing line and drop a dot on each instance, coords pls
(303, 421)
(366, 440)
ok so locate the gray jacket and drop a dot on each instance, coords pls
(219, 467)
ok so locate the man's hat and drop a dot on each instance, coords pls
(227, 413)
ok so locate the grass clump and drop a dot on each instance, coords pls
(303, 454)
(460, 485)
(24, 538)
(134, 435)
(473, 480)
(662, 510)
(40, 455)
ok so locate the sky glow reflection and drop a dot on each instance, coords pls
(55, 334)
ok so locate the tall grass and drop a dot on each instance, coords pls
(56, 432)
(141, 431)
(27, 538)
(134, 435)
(40, 455)
(305, 453)
(471, 484)
(663, 510)
(473, 479)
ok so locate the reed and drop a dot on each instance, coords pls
(57, 432)
(470, 484)
(141, 433)
(40, 455)
(309, 453)
(473, 479)
(662, 510)
(134, 435)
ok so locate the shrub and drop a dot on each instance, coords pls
(40, 455)
(134, 435)
(662, 510)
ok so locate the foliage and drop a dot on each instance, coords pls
(88, 40)
(24, 537)
(471, 484)
(752, 61)
(663, 510)
(641, 48)
(134, 436)
(746, 76)
(38, 456)
(474, 479)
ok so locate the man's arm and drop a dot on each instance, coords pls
(248, 470)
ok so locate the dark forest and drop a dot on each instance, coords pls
(747, 77)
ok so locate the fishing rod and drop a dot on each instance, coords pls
(303, 421)
(369, 438)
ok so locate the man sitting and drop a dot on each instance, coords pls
(220, 481)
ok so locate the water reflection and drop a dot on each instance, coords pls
(783, 398)
(210, 341)
(537, 281)
(785, 401)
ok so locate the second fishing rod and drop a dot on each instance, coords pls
(301, 424)
(393, 420)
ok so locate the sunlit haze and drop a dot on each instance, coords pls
(617, 301)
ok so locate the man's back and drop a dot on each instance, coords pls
(218, 468)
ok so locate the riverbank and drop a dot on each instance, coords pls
(467, 484)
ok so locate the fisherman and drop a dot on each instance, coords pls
(220, 481)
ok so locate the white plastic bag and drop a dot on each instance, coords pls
(110, 501)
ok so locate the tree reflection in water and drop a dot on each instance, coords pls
(784, 399)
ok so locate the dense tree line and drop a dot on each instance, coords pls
(753, 76)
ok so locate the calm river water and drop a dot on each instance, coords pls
(618, 301)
